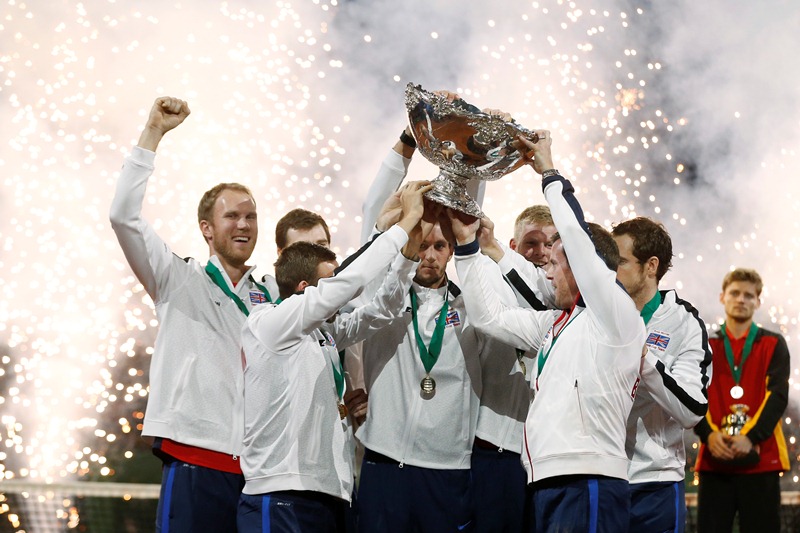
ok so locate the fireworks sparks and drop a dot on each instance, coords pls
(300, 102)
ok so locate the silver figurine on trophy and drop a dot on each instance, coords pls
(464, 142)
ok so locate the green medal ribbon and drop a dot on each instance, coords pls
(736, 370)
(650, 308)
(429, 356)
(338, 376)
(338, 371)
(216, 276)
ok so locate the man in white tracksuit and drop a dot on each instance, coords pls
(194, 410)
(574, 439)
(298, 452)
(675, 373)
(496, 374)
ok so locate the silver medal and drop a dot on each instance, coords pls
(737, 392)
(428, 385)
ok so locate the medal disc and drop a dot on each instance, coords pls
(428, 385)
(737, 392)
(522, 367)
(342, 411)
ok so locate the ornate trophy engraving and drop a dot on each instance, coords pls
(733, 423)
(464, 143)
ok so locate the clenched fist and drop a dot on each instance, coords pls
(167, 113)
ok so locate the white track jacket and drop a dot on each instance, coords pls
(294, 436)
(576, 424)
(196, 369)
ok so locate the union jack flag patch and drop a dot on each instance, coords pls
(452, 318)
(257, 298)
(658, 340)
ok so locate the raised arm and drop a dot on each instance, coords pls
(386, 305)
(148, 255)
(386, 182)
(609, 305)
(297, 316)
(166, 114)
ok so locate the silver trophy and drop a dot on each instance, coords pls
(464, 142)
(733, 423)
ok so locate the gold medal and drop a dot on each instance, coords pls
(737, 392)
(522, 366)
(428, 385)
(342, 411)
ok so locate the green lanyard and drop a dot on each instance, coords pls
(338, 371)
(216, 276)
(736, 370)
(542, 359)
(650, 308)
(429, 356)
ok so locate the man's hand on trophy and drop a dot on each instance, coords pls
(537, 154)
(412, 200)
(499, 113)
(420, 232)
(464, 226)
(451, 96)
(390, 212)
(486, 240)
(719, 447)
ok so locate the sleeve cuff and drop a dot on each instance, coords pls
(468, 249)
(143, 156)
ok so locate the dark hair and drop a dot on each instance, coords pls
(743, 274)
(299, 262)
(650, 239)
(604, 244)
(300, 219)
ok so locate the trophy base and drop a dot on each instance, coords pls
(450, 190)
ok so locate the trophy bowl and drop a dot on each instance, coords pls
(464, 142)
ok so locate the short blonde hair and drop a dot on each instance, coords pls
(535, 214)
